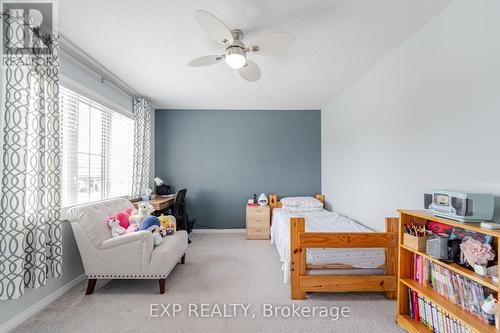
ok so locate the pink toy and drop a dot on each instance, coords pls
(132, 228)
(123, 218)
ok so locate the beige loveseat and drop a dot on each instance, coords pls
(129, 256)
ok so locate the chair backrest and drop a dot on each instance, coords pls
(89, 220)
(180, 204)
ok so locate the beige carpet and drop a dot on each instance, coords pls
(220, 268)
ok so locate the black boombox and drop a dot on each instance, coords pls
(162, 189)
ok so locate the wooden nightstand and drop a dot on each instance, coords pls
(258, 222)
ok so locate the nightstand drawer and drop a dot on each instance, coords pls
(258, 233)
(257, 222)
(258, 212)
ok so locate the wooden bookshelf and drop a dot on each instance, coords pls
(405, 276)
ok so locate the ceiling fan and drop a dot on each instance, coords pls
(235, 53)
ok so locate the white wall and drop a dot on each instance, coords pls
(426, 117)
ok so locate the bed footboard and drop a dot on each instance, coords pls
(300, 240)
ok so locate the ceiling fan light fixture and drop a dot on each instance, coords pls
(235, 57)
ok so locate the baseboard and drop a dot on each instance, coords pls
(32, 310)
(219, 231)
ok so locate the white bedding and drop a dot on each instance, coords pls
(323, 221)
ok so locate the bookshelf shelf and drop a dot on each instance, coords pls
(406, 281)
(485, 281)
(468, 318)
(411, 325)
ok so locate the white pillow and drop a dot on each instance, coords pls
(302, 209)
(301, 202)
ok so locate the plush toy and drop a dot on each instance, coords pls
(149, 222)
(123, 219)
(168, 224)
(156, 230)
(490, 307)
(114, 224)
(138, 215)
(132, 228)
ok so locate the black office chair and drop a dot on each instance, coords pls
(180, 212)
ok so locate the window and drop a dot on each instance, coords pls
(96, 150)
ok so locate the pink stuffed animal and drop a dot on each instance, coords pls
(123, 217)
(132, 228)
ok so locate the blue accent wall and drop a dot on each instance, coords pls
(222, 157)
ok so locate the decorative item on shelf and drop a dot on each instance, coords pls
(437, 247)
(477, 254)
(492, 272)
(253, 202)
(272, 200)
(490, 307)
(263, 199)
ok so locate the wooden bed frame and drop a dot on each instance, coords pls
(301, 282)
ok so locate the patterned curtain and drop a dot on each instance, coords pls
(30, 229)
(142, 146)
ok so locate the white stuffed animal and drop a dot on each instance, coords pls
(145, 209)
(116, 228)
(490, 306)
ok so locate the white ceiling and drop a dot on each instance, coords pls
(148, 44)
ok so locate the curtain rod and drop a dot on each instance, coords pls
(95, 69)
(82, 59)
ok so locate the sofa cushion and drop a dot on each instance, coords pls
(166, 255)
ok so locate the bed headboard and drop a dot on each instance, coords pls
(275, 203)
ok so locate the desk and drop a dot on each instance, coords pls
(159, 203)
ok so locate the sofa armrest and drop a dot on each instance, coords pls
(144, 236)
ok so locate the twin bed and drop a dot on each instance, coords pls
(322, 250)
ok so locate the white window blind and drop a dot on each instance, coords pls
(96, 150)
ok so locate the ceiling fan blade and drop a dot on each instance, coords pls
(250, 72)
(213, 27)
(205, 61)
(272, 43)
